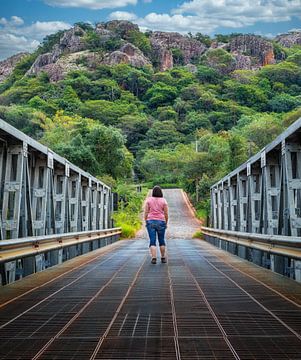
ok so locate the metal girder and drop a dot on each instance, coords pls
(263, 195)
(42, 193)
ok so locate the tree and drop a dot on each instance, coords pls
(178, 56)
(92, 146)
(160, 94)
(161, 134)
(284, 103)
(220, 60)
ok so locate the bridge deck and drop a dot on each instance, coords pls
(114, 304)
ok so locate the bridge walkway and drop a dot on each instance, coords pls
(114, 304)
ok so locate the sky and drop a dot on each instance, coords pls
(24, 23)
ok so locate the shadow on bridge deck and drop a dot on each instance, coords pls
(114, 304)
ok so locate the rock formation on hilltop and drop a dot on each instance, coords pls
(163, 43)
(119, 41)
(71, 42)
(290, 39)
(8, 65)
(128, 54)
(254, 47)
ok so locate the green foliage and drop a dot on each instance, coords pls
(295, 58)
(140, 40)
(284, 103)
(49, 41)
(23, 118)
(102, 118)
(207, 74)
(178, 56)
(286, 72)
(92, 146)
(205, 39)
(225, 38)
(220, 60)
(162, 133)
(24, 89)
(95, 42)
(129, 208)
(161, 94)
(107, 112)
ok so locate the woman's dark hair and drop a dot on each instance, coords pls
(157, 192)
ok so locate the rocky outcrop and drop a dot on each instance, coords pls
(121, 27)
(128, 54)
(290, 39)
(163, 43)
(242, 62)
(70, 42)
(81, 60)
(255, 47)
(7, 66)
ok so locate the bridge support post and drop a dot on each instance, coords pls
(257, 257)
(298, 270)
(242, 251)
(28, 265)
(277, 264)
(56, 257)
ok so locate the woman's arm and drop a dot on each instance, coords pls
(166, 213)
(146, 211)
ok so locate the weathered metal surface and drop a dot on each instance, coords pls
(119, 306)
(19, 248)
(272, 244)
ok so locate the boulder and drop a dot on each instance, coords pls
(128, 54)
(7, 66)
(242, 62)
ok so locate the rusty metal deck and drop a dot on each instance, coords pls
(119, 306)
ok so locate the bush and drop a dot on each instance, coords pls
(130, 208)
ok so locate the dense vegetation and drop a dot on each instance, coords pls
(176, 127)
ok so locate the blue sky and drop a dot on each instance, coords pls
(23, 23)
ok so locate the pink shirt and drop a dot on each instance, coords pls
(156, 208)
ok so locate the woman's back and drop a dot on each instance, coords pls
(156, 208)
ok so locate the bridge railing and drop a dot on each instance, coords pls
(263, 195)
(43, 193)
(278, 253)
(256, 208)
(22, 257)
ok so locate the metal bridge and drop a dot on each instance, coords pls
(262, 196)
(112, 303)
(41, 194)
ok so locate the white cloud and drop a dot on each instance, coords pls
(91, 4)
(17, 21)
(239, 13)
(122, 15)
(16, 37)
(207, 16)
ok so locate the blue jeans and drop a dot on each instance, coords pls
(156, 227)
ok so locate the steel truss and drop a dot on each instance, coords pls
(263, 195)
(41, 193)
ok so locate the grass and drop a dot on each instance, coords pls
(197, 235)
(128, 216)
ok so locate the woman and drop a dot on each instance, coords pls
(156, 217)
